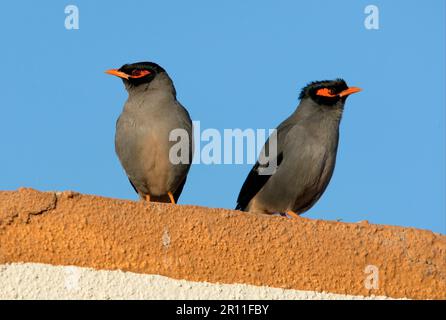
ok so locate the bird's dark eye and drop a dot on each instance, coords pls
(136, 72)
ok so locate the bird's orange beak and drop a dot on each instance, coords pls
(349, 91)
(116, 72)
(135, 75)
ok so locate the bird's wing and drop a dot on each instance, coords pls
(134, 188)
(177, 192)
(255, 181)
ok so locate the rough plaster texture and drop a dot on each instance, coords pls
(219, 246)
(32, 281)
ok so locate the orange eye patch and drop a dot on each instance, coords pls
(139, 73)
(325, 92)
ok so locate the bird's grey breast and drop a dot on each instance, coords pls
(142, 141)
(312, 157)
(308, 160)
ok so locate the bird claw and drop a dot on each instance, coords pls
(291, 214)
(288, 214)
(172, 199)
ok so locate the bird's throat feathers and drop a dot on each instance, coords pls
(161, 84)
(311, 110)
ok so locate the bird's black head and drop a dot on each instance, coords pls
(327, 92)
(137, 73)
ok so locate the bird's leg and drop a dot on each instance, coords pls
(147, 197)
(172, 199)
(292, 214)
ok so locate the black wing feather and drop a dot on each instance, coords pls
(133, 186)
(177, 192)
(252, 185)
(254, 182)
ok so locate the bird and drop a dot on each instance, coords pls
(143, 133)
(304, 158)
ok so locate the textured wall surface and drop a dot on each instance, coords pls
(32, 281)
(217, 245)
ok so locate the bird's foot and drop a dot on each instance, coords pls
(147, 197)
(172, 199)
(292, 214)
(288, 214)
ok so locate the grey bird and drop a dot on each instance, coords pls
(305, 156)
(143, 140)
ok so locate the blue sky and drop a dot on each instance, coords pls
(235, 64)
